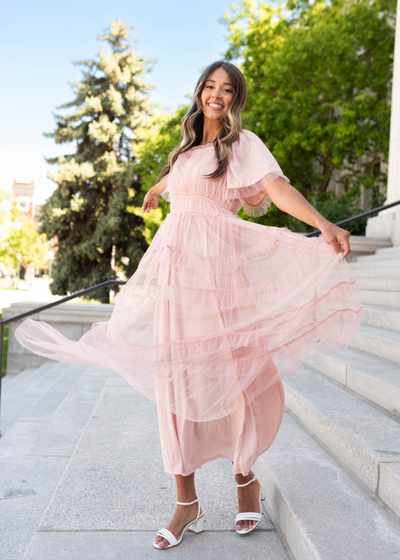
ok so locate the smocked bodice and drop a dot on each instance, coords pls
(251, 168)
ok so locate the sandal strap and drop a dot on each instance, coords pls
(167, 535)
(246, 483)
(188, 503)
(248, 516)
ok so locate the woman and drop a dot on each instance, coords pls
(219, 309)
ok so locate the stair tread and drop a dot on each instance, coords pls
(35, 474)
(393, 263)
(324, 512)
(378, 368)
(379, 332)
(24, 380)
(394, 292)
(375, 431)
(19, 437)
(383, 308)
(40, 395)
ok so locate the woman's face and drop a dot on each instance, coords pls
(217, 94)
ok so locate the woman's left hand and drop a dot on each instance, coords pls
(338, 238)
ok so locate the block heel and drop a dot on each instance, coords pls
(197, 526)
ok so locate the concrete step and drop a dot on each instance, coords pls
(101, 501)
(390, 251)
(52, 379)
(382, 284)
(371, 378)
(323, 512)
(360, 436)
(20, 435)
(20, 383)
(381, 255)
(381, 316)
(28, 488)
(383, 264)
(372, 272)
(35, 380)
(382, 343)
(380, 297)
(9, 381)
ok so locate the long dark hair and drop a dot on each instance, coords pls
(193, 121)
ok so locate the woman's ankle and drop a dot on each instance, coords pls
(241, 479)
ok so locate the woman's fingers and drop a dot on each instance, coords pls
(344, 245)
(149, 204)
(338, 238)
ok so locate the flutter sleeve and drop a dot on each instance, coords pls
(251, 169)
(165, 194)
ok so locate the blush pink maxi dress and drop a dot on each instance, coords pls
(218, 312)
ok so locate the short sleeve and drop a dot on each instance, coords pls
(251, 169)
(165, 194)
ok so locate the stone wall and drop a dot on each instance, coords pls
(71, 319)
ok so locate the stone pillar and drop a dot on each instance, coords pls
(387, 223)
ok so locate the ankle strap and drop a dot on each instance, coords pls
(246, 483)
(188, 503)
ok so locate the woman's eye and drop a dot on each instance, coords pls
(227, 90)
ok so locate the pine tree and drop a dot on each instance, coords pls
(90, 211)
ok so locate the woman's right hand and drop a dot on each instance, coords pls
(150, 201)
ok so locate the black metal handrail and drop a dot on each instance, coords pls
(121, 282)
(356, 218)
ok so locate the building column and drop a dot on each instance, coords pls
(387, 223)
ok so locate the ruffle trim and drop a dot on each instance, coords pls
(263, 249)
(239, 342)
(257, 211)
(244, 191)
(210, 298)
(202, 391)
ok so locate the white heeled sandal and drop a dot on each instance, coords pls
(250, 515)
(197, 526)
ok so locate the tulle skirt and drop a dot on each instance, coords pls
(219, 311)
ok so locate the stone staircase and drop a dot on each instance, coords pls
(82, 475)
(332, 475)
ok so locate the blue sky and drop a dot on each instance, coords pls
(40, 39)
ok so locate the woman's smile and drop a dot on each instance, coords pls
(215, 106)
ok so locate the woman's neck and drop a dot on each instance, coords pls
(210, 131)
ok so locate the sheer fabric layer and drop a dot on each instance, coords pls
(217, 312)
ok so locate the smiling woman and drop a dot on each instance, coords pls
(213, 101)
(219, 309)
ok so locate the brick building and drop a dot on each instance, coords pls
(25, 195)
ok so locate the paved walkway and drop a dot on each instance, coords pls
(114, 494)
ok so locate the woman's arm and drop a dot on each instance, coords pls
(150, 201)
(291, 201)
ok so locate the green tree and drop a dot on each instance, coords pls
(91, 209)
(19, 235)
(22, 237)
(319, 84)
(156, 141)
